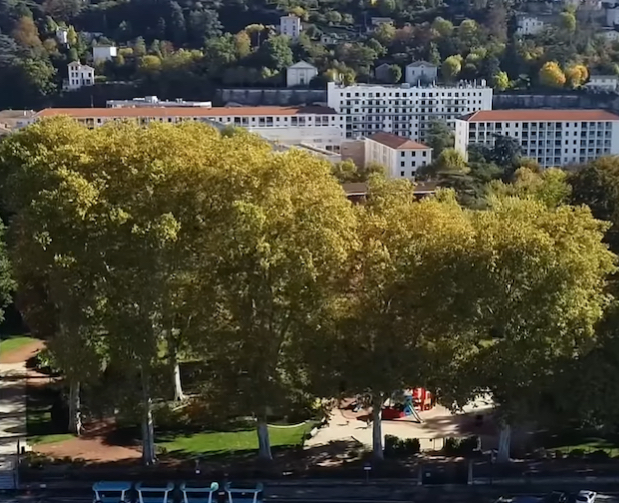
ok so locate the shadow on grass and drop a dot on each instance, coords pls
(45, 412)
(578, 439)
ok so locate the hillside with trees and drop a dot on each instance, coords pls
(187, 49)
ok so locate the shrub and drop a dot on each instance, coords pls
(397, 447)
(576, 453)
(460, 446)
(599, 455)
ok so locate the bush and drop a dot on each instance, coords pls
(397, 447)
(599, 455)
(576, 453)
(460, 446)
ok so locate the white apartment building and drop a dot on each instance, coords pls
(153, 101)
(603, 83)
(529, 25)
(300, 74)
(313, 125)
(404, 110)
(612, 16)
(400, 156)
(79, 76)
(290, 25)
(554, 138)
(103, 53)
(421, 72)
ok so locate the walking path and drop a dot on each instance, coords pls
(12, 411)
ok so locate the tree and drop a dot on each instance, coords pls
(506, 153)
(178, 27)
(333, 17)
(550, 186)
(596, 184)
(567, 22)
(576, 75)
(278, 251)
(386, 7)
(72, 36)
(439, 137)
(500, 81)
(395, 74)
(385, 33)
(443, 28)
(450, 161)
(276, 52)
(550, 75)
(242, 43)
(26, 33)
(398, 312)
(451, 67)
(543, 272)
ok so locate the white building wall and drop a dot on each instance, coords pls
(554, 143)
(300, 76)
(290, 25)
(399, 163)
(103, 53)
(612, 16)
(416, 74)
(403, 110)
(529, 26)
(79, 76)
(461, 135)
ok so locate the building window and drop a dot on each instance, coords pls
(401, 173)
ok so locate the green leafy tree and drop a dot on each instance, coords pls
(439, 137)
(500, 81)
(451, 67)
(276, 52)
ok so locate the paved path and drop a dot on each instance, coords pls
(12, 410)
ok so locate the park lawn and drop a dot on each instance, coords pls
(40, 428)
(218, 442)
(9, 343)
(587, 441)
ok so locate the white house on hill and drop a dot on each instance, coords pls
(79, 76)
(300, 74)
(420, 72)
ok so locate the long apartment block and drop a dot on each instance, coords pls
(403, 109)
(313, 125)
(552, 137)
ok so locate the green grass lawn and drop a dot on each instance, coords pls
(233, 441)
(587, 441)
(40, 426)
(10, 343)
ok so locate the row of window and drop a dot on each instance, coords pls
(423, 94)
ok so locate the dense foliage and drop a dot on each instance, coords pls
(135, 247)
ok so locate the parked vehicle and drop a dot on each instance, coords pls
(586, 497)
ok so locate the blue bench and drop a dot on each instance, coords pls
(111, 492)
(197, 494)
(153, 493)
(244, 495)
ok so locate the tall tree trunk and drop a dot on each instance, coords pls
(148, 431)
(377, 430)
(75, 421)
(176, 376)
(264, 442)
(505, 441)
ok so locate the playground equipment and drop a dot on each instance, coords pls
(111, 492)
(153, 493)
(244, 495)
(199, 494)
(415, 400)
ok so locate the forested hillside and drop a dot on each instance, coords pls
(183, 48)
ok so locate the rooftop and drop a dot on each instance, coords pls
(540, 115)
(120, 113)
(481, 84)
(397, 142)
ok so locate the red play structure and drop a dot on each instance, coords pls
(419, 398)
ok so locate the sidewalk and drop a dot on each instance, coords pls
(13, 378)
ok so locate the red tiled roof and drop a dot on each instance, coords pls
(120, 113)
(396, 142)
(533, 115)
